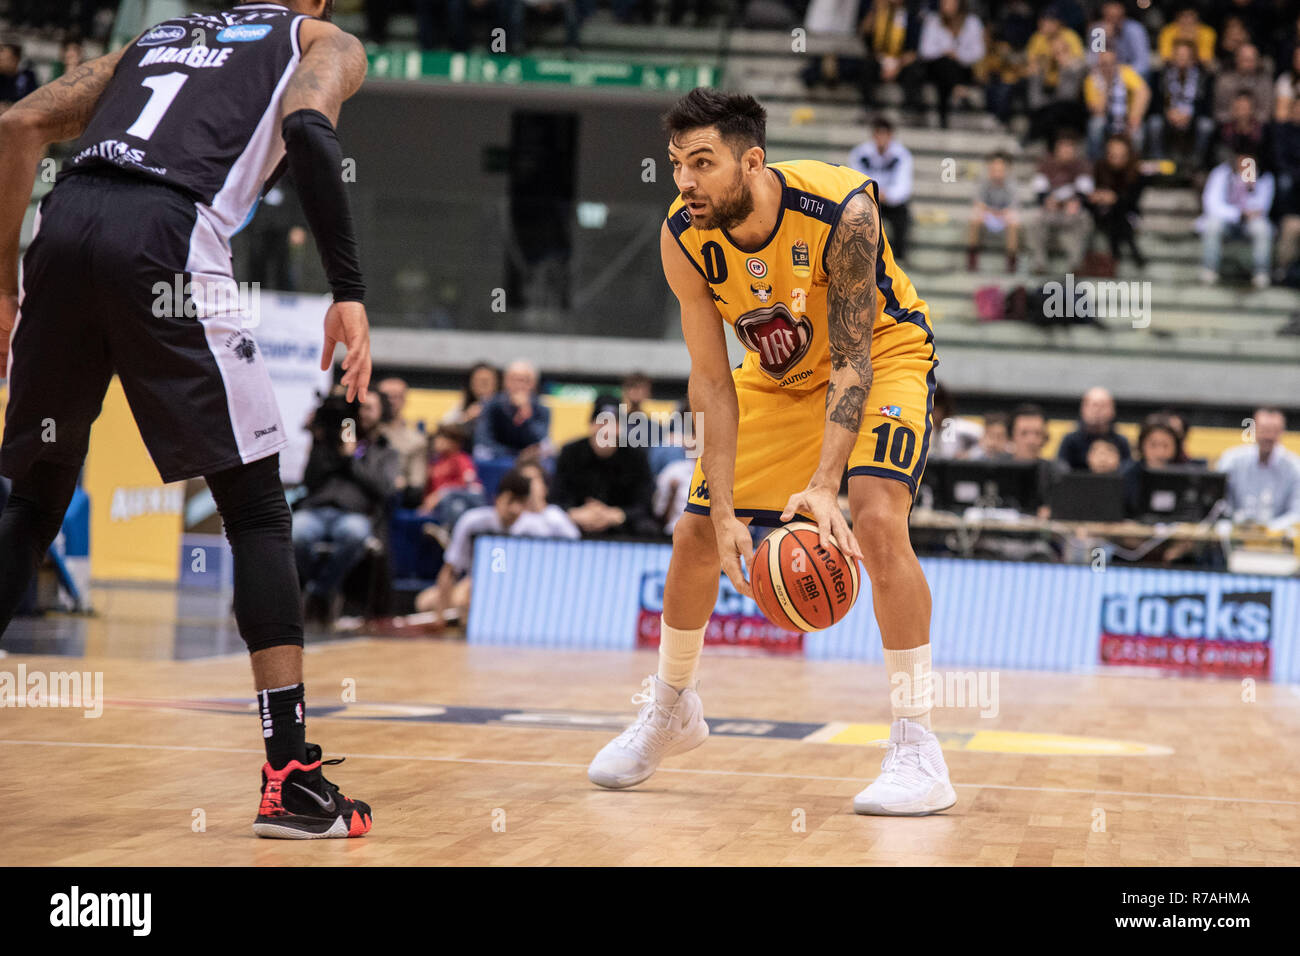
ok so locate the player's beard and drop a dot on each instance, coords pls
(730, 211)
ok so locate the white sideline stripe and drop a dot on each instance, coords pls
(583, 766)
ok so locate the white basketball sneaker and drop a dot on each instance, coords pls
(668, 723)
(914, 779)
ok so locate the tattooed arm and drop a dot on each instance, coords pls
(51, 114)
(332, 68)
(850, 314)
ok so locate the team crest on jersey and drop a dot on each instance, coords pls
(162, 34)
(779, 339)
(762, 291)
(799, 260)
(244, 347)
(756, 266)
(891, 411)
(244, 33)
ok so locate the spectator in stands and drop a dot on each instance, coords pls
(1288, 42)
(16, 81)
(995, 442)
(1027, 432)
(605, 486)
(996, 210)
(541, 519)
(831, 18)
(1232, 37)
(1178, 425)
(672, 491)
(1004, 70)
(1249, 77)
(1096, 421)
(507, 15)
(1264, 478)
(451, 486)
(889, 163)
(449, 597)
(1118, 182)
(71, 55)
(1062, 183)
(951, 43)
(482, 382)
(1244, 131)
(1287, 89)
(1236, 203)
(1056, 90)
(890, 33)
(1286, 164)
(514, 422)
(350, 476)
(953, 437)
(1186, 27)
(1159, 445)
(1104, 456)
(410, 443)
(636, 392)
(1124, 37)
(1253, 17)
(1180, 124)
(1117, 99)
(678, 439)
(1041, 51)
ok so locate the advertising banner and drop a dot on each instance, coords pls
(986, 614)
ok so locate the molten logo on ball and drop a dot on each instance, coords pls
(798, 584)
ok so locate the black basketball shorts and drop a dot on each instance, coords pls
(92, 303)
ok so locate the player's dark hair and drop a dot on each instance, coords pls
(515, 484)
(739, 118)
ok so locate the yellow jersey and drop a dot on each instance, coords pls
(774, 296)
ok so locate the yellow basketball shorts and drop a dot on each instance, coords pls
(779, 441)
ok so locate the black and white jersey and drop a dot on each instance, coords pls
(195, 103)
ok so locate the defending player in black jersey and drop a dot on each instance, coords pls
(180, 134)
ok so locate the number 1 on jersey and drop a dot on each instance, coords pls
(164, 89)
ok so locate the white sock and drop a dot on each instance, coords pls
(679, 654)
(911, 684)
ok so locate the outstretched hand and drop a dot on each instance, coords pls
(346, 322)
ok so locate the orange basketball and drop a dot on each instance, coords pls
(798, 584)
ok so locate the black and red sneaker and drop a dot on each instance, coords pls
(298, 803)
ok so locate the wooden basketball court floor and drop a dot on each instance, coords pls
(477, 756)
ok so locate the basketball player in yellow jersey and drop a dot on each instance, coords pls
(839, 372)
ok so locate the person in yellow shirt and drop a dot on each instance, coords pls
(1041, 50)
(1117, 99)
(1187, 25)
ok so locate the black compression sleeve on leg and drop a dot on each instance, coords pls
(316, 163)
(30, 522)
(259, 528)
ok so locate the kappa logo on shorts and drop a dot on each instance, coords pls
(242, 346)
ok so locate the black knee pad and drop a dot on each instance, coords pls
(259, 528)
